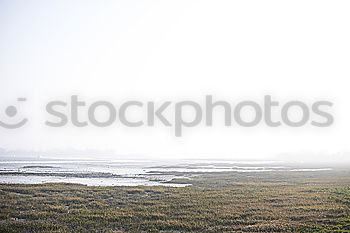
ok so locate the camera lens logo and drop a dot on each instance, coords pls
(11, 112)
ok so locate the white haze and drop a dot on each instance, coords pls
(176, 50)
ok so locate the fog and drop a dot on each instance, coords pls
(175, 51)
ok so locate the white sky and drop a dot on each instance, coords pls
(176, 50)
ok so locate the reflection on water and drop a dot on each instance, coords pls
(128, 172)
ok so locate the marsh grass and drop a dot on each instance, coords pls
(224, 202)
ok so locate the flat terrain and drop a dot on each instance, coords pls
(216, 202)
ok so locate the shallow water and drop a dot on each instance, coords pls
(10, 179)
(128, 172)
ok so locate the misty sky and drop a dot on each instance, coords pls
(176, 50)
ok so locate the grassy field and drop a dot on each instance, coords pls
(216, 202)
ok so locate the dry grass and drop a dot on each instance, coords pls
(227, 202)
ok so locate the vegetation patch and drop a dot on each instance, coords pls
(224, 202)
